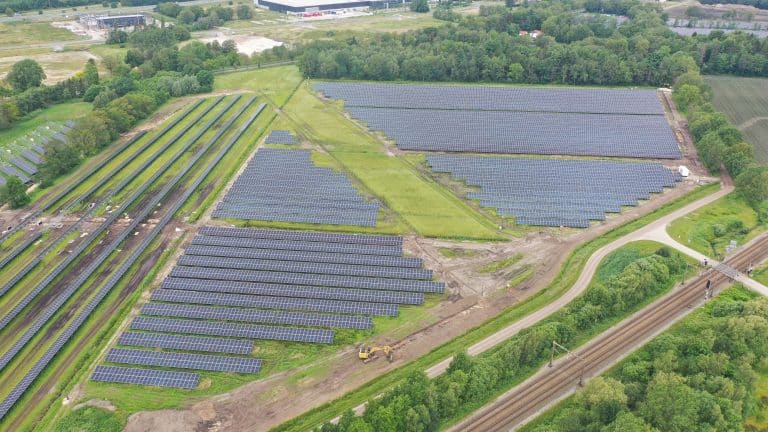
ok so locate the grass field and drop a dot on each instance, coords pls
(17, 33)
(711, 229)
(745, 102)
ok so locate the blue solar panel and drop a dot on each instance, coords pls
(186, 343)
(184, 360)
(184, 380)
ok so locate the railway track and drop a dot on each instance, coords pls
(524, 402)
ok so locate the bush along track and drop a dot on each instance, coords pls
(81, 247)
(70, 329)
(699, 375)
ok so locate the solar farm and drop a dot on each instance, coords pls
(577, 122)
(555, 192)
(21, 157)
(286, 185)
(234, 286)
(241, 240)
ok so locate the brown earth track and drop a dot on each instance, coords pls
(534, 395)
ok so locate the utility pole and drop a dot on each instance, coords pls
(555, 347)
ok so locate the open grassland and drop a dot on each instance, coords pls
(57, 66)
(711, 229)
(56, 113)
(428, 208)
(745, 102)
(276, 84)
(13, 34)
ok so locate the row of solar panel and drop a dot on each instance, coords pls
(309, 279)
(298, 291)
(494, 98)
(305, 236)
(226, 329)
(305, 267)
(184, 360)
(314, 257)
(269, 302)
(524, 132)
(355, 322)
(299, 245)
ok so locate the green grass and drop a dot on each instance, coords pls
(276, 84)
(26, 33)
(710, 229)
(501, 264)
(89, 419)
(457, 253)
(564, 280)
(55, 113)
(425, 206)
(745, 102)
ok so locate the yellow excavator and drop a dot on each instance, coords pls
(368, 353)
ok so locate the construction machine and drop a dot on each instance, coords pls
(368, 353)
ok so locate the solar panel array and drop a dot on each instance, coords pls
(185, 380)
(25, 158)
(184, 360)
(280, 137)
(285, 185)
(494, 98)
(555, 192)
(234, 285)
(480, 119)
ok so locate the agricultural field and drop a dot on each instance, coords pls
(745, 102)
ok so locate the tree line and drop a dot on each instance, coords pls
(198, 18)
(700, 376)
(25, 5)
(719, 143)
(628, 278)
(577, 48)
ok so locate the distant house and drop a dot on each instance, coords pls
(116, 21)
(534, 34)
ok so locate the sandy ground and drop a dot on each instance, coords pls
(246, 44)
(58, 66)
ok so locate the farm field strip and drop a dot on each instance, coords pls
(70, 329)
(745, 102)
(85, 274)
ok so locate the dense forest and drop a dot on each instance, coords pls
(577, 48)
(697, 377)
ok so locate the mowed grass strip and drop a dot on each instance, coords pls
(431, 210)
(712, 228)
(745, 102)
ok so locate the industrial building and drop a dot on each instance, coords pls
(115, 21)
(309, 6)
